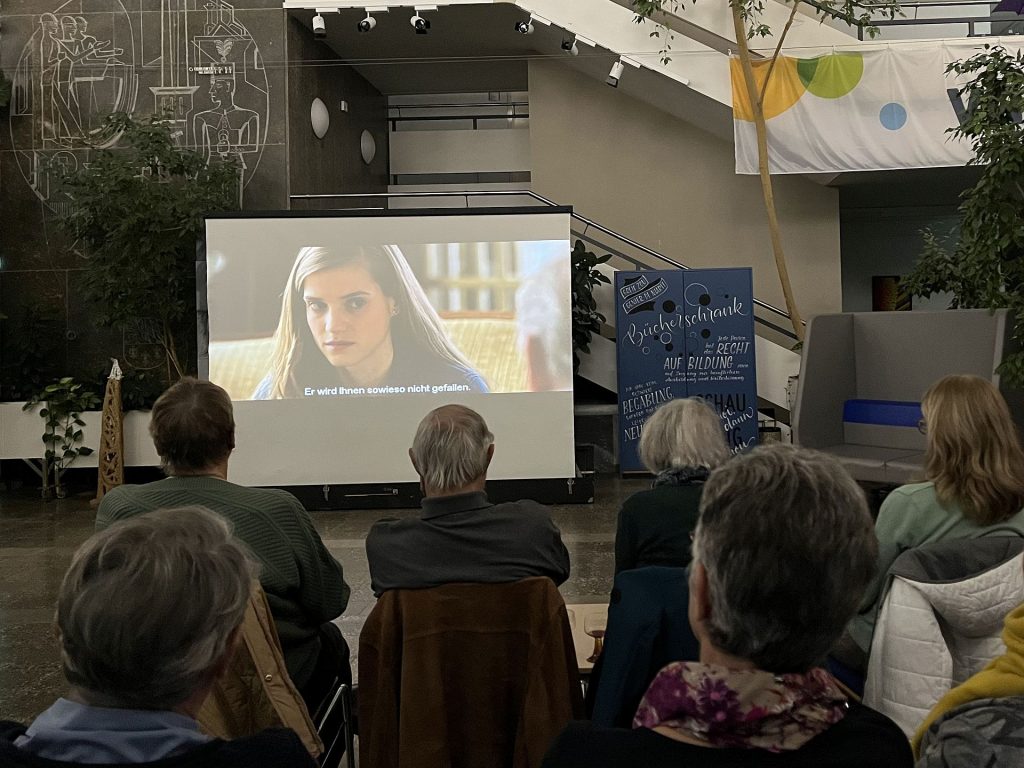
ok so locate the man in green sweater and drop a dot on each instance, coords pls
(193, 429)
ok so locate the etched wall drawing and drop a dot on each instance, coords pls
(85, 59)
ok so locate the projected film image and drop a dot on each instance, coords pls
(362, 320)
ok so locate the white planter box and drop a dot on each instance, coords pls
(21, 434)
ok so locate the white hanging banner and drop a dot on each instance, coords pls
(873, 108)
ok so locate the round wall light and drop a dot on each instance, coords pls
(319, 118)
(367, 147)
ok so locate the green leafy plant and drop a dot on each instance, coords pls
(63, 403)
(747, 25)
(985, 267)
(137, 212)
(586, 320)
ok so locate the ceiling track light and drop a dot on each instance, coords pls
(367, 24)
(319, 26)
(616, 72)
(420, 24)
(570, 47)
(524, 27)
(320, 23)
(618, 68)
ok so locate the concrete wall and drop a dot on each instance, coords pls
(672, 187)
(332, 164)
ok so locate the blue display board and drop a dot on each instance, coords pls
(685, 333)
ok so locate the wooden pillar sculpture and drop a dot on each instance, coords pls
(111, 453)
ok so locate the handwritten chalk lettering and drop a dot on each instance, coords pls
(637, 335)
(733, 420)
(732, 347)
(632, 433)
(649, 295)
(736, 402)
(710, 363)
(711, 315)
(646, 400)
(635, 287)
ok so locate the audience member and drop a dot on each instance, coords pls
(980, 721)
(680, 444)
(974, 467)
(193, 429)
(460, 536)
(148, 617)
(781, 555)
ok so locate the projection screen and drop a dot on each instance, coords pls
(335, 334)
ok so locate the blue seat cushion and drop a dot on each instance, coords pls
(890, 413)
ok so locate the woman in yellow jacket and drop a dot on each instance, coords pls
(979, 722)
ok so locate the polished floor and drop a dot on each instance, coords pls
(38, 538)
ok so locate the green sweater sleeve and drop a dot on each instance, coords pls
(110, 510)
(323, 593)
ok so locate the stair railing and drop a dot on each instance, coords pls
(582, 230)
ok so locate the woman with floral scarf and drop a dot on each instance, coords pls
(781, 555)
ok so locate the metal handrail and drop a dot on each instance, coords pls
(466, 194)
(466, 105)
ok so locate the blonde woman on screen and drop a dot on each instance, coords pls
(358, 318)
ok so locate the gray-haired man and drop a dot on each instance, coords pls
(460, 536)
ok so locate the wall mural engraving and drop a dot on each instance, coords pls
(87, 58)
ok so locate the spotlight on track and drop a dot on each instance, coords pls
(616, 72)
(524, 27)
(570, 47)
(367, 24)
(319, 26)
(420, 24)
(618, 68)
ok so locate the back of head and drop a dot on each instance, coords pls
(193, 426)
(148, 607)
(974, 455)
(683, 433)
(450, 448)
(789, 546)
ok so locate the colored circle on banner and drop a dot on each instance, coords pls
(893, 116)
(831, 76)
(784, 89)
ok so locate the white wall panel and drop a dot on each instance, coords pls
(459, 151)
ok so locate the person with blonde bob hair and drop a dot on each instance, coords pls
(680, 444)
(357, 317)
(974, 486)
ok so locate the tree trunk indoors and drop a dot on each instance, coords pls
(756, 104)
